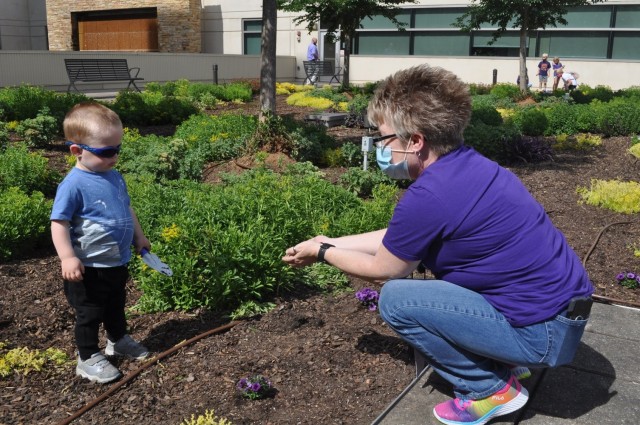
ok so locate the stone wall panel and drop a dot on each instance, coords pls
(178, 21)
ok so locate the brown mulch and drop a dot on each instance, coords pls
(330, 360)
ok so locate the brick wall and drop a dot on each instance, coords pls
(178, 21)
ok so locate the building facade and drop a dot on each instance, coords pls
(601, 42)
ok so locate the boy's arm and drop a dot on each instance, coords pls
(72, 267)
(140, 241)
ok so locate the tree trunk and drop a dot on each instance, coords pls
(524, 76)
(347, 55)
(268, 60)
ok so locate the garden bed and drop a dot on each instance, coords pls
(330, 360)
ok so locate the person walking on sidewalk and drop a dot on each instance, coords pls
(313, 56)
(509, 292)
(93, 227)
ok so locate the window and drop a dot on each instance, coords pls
(252, 36)
(598, 32)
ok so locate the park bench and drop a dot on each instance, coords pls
(320, 69)
(94, 70)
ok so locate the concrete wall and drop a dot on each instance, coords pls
(178, 21)
(615, 74)
(23, 25)
(47, 68)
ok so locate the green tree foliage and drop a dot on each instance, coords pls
(524, 15)
(342, 18)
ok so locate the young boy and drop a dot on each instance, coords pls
(93, 227)
(543, 71)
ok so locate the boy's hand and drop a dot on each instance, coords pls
(141, 242)
(72, 269)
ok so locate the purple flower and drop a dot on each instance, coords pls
(255, 387)
(369, 298)
(620, 276)
(631, 275)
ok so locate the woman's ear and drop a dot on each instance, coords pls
(418, 142)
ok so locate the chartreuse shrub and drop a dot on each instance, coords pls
(209, 418)
(635, 147)
(577, 142)
(618, 196)
(24, 221)
(23, 360)
(26, 170)
(225, 242)
(289, 88)
(320, 99)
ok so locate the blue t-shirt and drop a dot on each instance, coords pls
(474, 224)
(544, 67)
(96, 205)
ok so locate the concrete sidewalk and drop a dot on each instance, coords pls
(600, 387)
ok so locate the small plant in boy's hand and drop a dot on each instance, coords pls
(369, 298)
(628, 280)
(255, 387)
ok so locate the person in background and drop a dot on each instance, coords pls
(557, 72)
(496, 306)
(570, 80)
(93, 227)
(312, 55)
(543, 71)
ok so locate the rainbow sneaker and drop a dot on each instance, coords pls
(478, 412)
(521, 372)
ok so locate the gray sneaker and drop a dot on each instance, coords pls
(126, 346)
(97, 369)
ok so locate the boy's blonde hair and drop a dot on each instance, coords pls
(86, 121)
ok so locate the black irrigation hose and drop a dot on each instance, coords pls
(144, 366)
(600, 298)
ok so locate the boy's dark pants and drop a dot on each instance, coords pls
(99, 298)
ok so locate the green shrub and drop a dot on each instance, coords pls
(224, 243)
(38, 132)
(23, 102)
(620, 117)
(476, 89)
(485, 113)
(506, 91)
(489, 140)
(4, 135)
(362, 182)
(26, 170)
(24, 222)
(532, 122)
(151, 108)
(562, 118)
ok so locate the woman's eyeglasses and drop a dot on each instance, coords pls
(108, 152)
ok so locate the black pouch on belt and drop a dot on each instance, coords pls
(579, 308)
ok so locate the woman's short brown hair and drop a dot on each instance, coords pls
(423, 100)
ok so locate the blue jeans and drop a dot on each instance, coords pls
(466, 340)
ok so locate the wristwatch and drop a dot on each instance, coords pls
(323, 248)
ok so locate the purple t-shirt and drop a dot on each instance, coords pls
(474, 224)
(544, 67)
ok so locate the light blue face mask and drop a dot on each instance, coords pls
(399, 171)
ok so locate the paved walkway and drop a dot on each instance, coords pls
(600, 387)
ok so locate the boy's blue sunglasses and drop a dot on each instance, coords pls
(108, 152)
